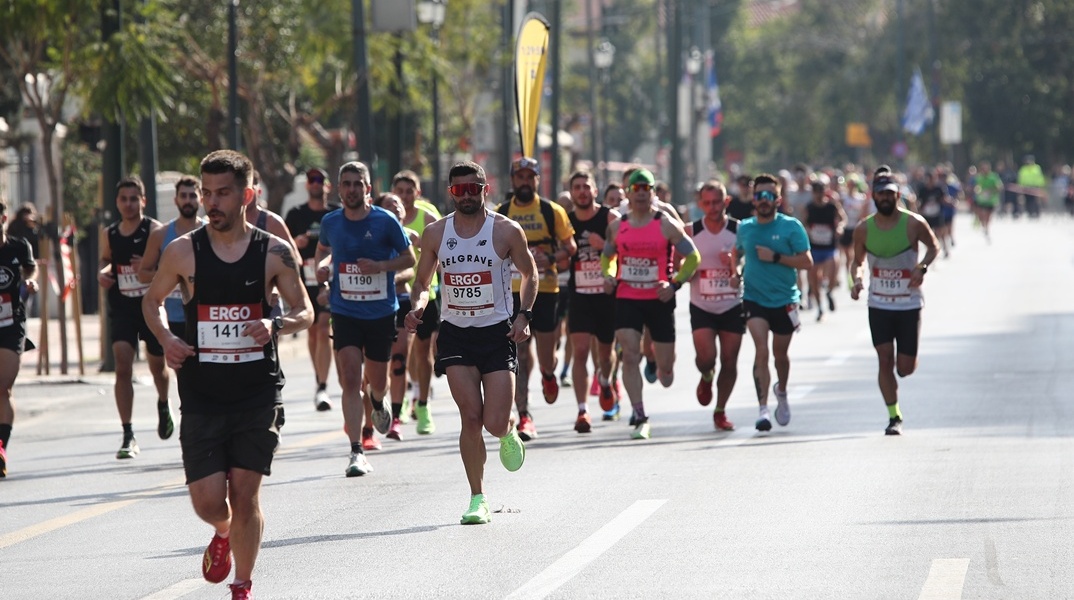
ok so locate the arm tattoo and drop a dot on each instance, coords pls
(285, 254)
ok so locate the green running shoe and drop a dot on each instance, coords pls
(129, 449)
(479, 512)
(642, 431)
(512, 450)
(425, 420)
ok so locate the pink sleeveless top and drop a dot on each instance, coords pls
(644, 260)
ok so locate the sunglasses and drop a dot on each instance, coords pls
(466, 189)
(765, 196)
(641, 187)
(319, 180)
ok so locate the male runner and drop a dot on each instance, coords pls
(359, 250)
(644, 288)
(774, 247)
(890, 239)
(122, 246)
(591, 314)
(227, 364)
(474, 248)
(716, 302)
(304, 223)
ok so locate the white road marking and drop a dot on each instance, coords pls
(838, 358)
(177, 590)
(572, 563)
(796, 393)
(946, 578)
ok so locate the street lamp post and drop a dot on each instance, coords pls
(603, 57)
(693, 68)
(434, 12)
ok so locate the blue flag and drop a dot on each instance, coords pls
(712, 88)
(918, 114)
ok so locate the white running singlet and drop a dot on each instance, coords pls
(476, 288)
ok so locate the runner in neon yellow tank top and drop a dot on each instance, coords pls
(890, 238)
(419, 214)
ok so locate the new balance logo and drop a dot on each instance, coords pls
(482, 242)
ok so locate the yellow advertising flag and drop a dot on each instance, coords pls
(531, 54)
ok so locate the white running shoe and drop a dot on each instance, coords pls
(382, 416)
(783, 410)
(359, 465)
(321, 401)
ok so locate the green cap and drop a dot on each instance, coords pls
(642, 176)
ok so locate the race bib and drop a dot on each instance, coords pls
(889, 285)
(360, 287)
(220, 338)
(716, 284)
(792, 314)
(467, 294)
(931, 209)
(639, 272)
(129, 285)
(587, 277)
(7, 312)
(309, 272)
(822, 235)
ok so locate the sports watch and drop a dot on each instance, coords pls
(528, 314)
(277, 324)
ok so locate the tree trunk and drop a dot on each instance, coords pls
(47, 136)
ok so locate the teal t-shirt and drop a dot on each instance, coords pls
(767, 283)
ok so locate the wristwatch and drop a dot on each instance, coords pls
(924, 268)
(528, 314)
(277, 324)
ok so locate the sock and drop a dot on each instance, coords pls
(162, 402)
(548, 375)
(397, 409)
(423, 403)
(719, 411)
(764, 412)
(224, 535)
(893, 411)
(356, 447)
(583, 407)
(604, 380)
(321, 386)
(639, 412)
(563, 371)
(708, 375)
(367, 432)
(128, 431)
(5, 433)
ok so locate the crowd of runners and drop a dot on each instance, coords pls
(581, 288)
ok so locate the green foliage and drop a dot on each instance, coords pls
(81, 181)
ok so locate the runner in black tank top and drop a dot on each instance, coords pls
(16, 267)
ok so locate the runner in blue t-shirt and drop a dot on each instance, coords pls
(774, 247)
(361, 246)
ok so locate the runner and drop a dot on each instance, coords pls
(716, 302)
(476, 349)
(419, 214)
(304, 223)
(360, 248)
(188, 201)
(591, 314)
(890, 239)
(774, 247)
(824, 222)
(17, 274)
(226, 363)
(122, 246)
(400, 351)
(551, 240)
(988, 191)
(265, 219)
(644, 288)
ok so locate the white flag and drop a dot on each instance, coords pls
(918, 114)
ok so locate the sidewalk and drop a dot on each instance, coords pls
(291, 347)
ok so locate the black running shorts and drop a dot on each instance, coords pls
(487, 348)
(658, 316)
(900, 326)
(374, 337)
(218, 443)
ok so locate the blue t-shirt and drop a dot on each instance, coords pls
(764, 282)
(379, 236)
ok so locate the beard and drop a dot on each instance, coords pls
(766, 209)
(525, 193)
(885, 208)
(188, 211)
(353, 202)
(467, 207)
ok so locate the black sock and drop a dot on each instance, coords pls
(128, 431)
(397, 409)
(5, 433)
(356, 448)
(321, 386)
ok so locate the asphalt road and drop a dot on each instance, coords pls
(974, 501)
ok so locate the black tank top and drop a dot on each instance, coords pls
(586, 253)
(15, 255)
(228, 373)
(125, 297)
(824, 215)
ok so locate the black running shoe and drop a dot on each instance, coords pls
(894, 427)
(165, 424)
(831, 302)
